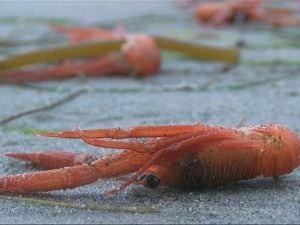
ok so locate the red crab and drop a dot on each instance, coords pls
(223, 13)
(185, 156)
(139, 56)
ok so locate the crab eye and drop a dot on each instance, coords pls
(153, 181)
(149, 180)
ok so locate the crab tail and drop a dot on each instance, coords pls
(50, 180)
(53, 159)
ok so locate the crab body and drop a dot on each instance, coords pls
(183, 156)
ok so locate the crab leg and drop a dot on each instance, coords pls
(149, 147)
(53, 159)
(275, 17)
(75, 176)
(136, 147)
(57, 159)
(110, 64)
(135, 132)
(79, 34)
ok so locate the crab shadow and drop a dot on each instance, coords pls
(140, 193)
(256, 189)
(259, 189)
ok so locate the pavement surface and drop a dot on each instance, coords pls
(263, 88)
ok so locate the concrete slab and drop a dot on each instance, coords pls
(186, 91)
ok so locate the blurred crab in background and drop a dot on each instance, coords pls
(222, 13)
(139, 56)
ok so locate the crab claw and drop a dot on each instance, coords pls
(58, 179)
(109, 166)
(53, 159)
